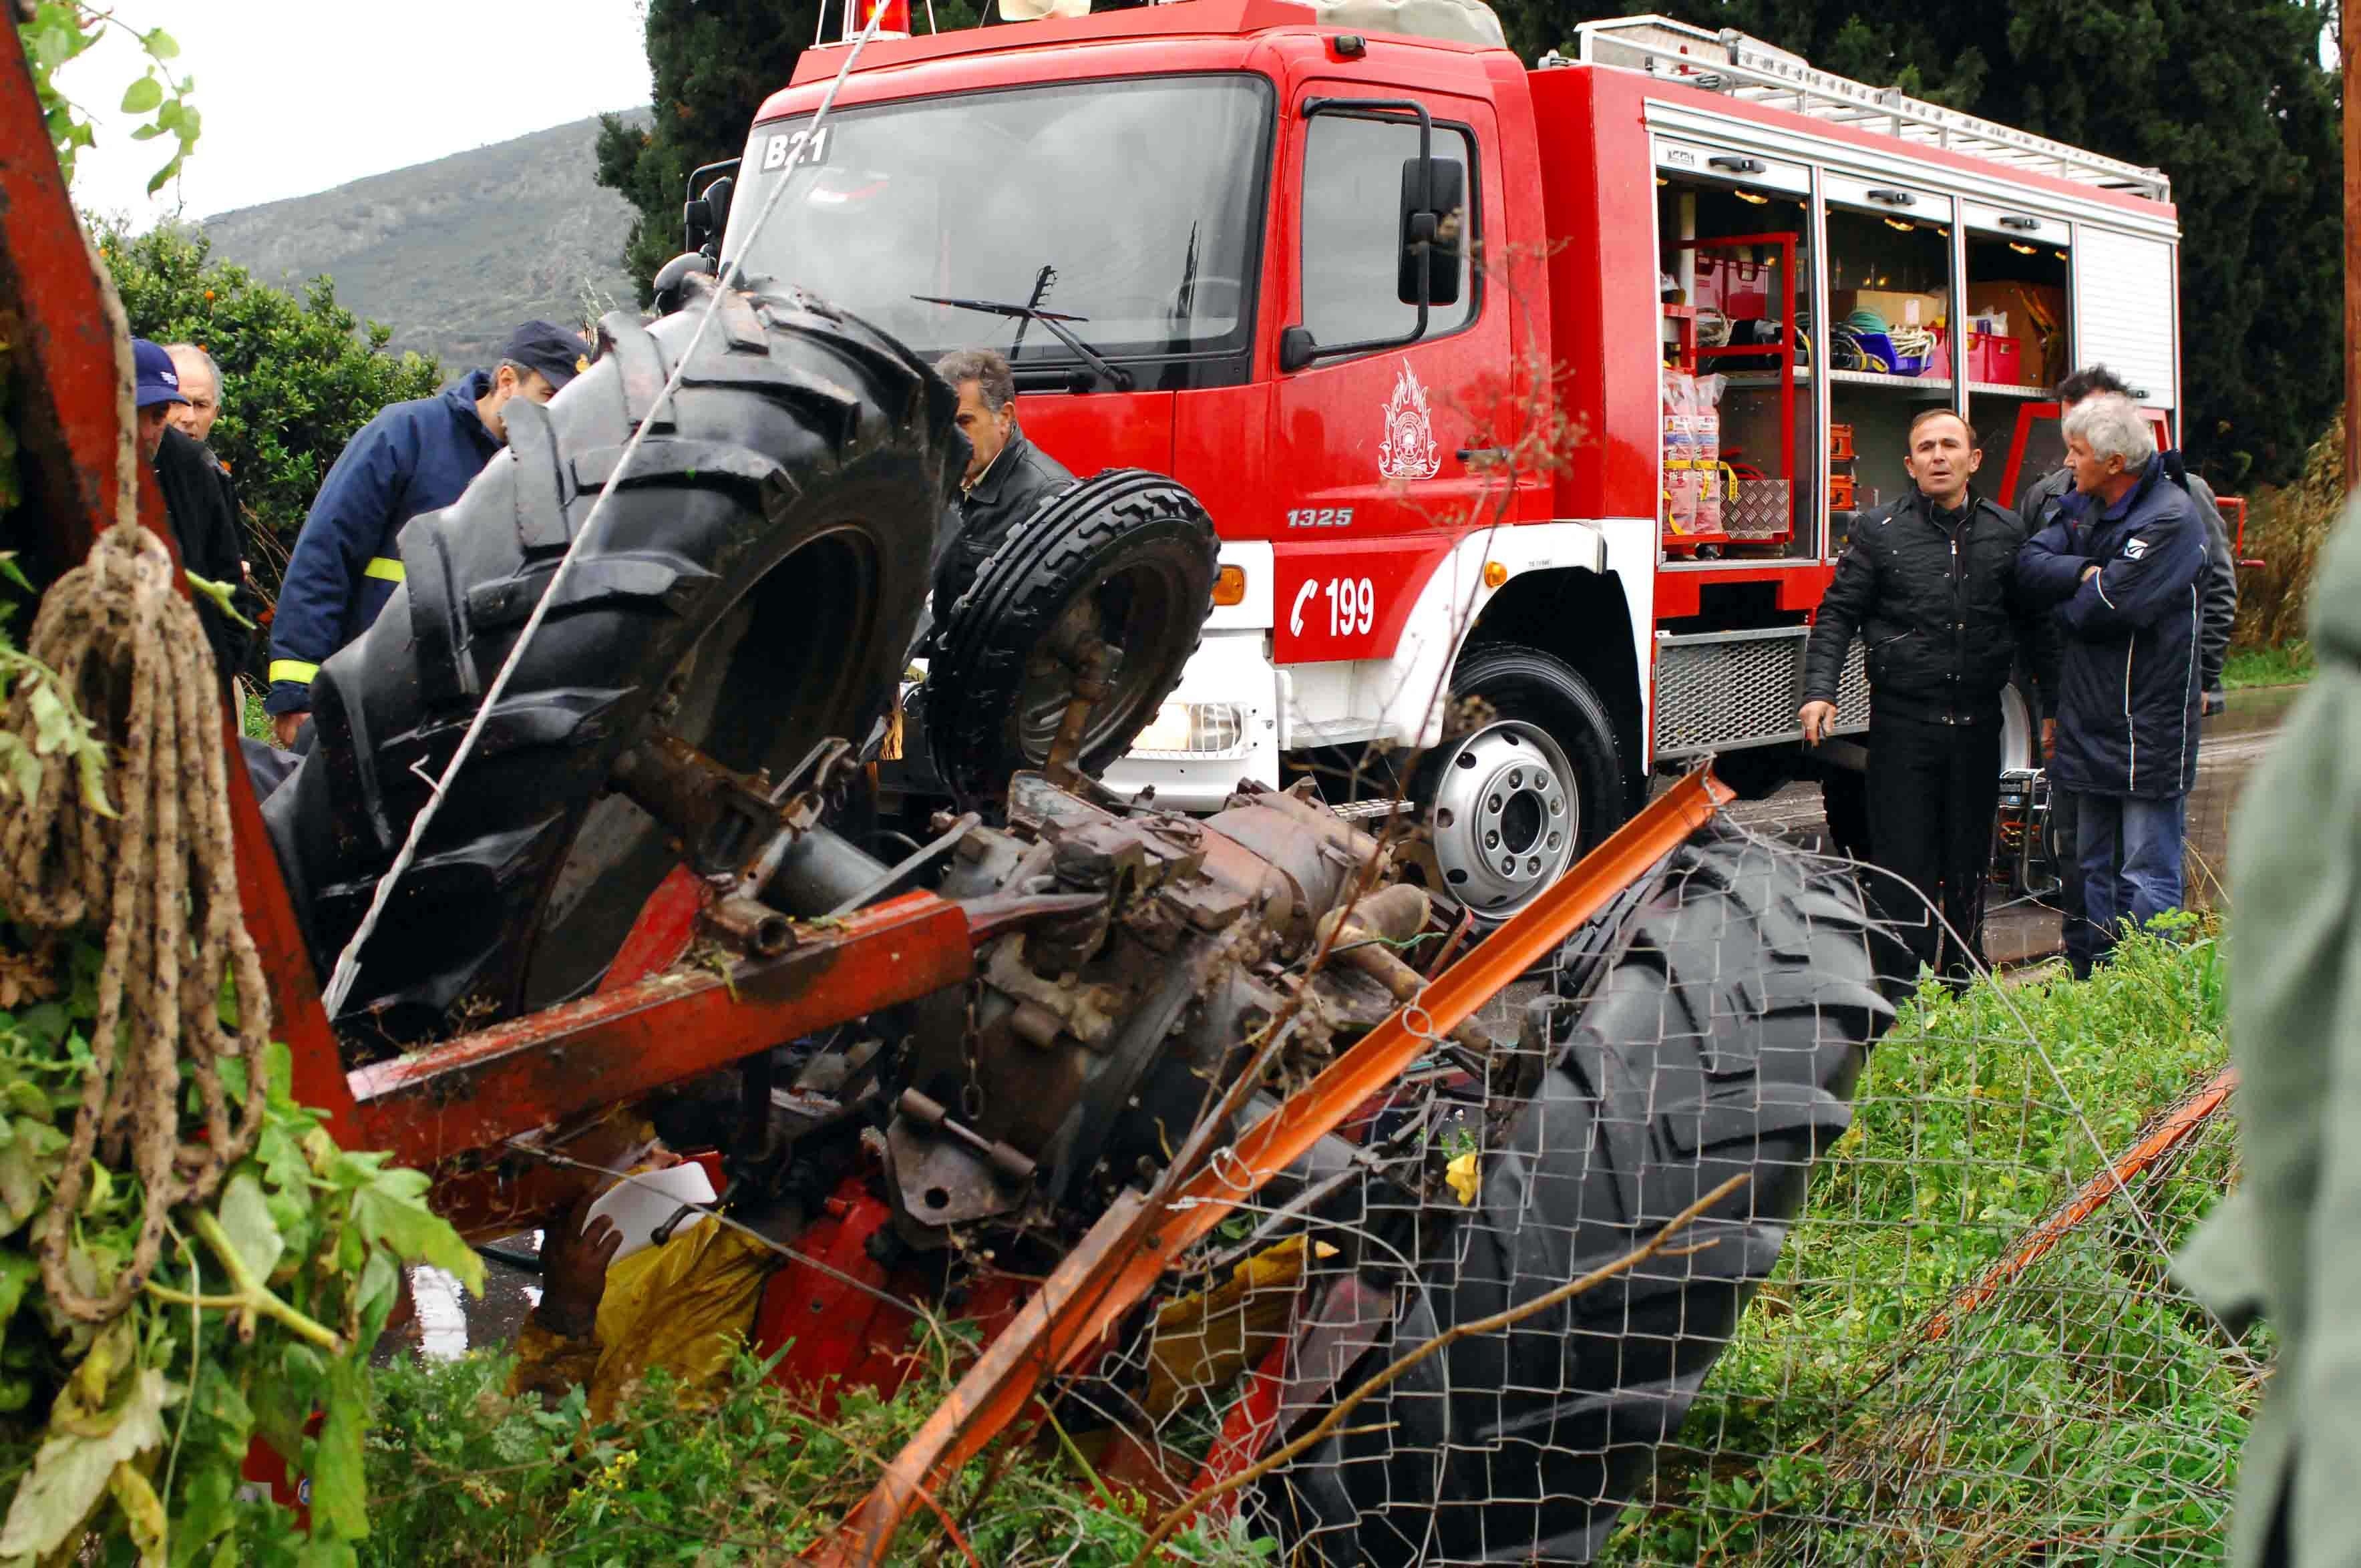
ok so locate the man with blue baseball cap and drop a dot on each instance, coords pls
(204, 519)
(413, 458)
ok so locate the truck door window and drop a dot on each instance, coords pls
(1892, 344)
(1352, 239)
(1740, 474)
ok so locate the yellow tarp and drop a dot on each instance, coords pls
(685, 1306)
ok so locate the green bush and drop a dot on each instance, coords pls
(302, 374)
(460, 1473)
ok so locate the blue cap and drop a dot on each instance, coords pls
(157, 379)
(557, 353)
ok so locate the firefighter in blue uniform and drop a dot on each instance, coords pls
(412, 457)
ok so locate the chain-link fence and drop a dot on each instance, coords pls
(1713, 1253)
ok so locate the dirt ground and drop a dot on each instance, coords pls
(2017, 933)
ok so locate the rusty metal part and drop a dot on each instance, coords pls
(1005, 1162)
(998, 913)
(749, 926)
(1318, 854)
(722, 817)
(478, 1090)
(1366, 951)
(1093, 662)
(1121, 1258)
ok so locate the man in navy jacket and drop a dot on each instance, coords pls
(413, 458)
(2122, 561)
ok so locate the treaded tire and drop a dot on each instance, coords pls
(1525, 686)
(1720, 1036)
(1135, 545)
(766, 556)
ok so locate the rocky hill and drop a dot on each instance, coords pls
(452, 254)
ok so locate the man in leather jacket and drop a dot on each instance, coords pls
(1006, 476)
(1927, 583)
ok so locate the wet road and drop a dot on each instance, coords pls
(2018, 933)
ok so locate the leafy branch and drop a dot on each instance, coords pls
(64, 30)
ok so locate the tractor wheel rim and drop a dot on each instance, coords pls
(1137, 608)
(1506, 818)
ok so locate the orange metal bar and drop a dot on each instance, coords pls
(2167, 1133)
(473, 1092)
(1120, 1261)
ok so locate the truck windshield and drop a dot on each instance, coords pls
(1132, 205)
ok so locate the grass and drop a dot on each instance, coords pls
(2088, 1414)
(2290, 664)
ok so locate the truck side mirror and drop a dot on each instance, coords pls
(1433, 203)
(717, 206)
(706, 211)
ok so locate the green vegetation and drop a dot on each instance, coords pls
(259, 1318)
(460, 1473)
(2288, 665)
(2087, 1412)
(56, 31)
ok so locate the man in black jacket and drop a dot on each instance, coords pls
(2040, 505)
(1006, 477)
(1927, 583)
(198, 502)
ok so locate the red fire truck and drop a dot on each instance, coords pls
(1715, 282)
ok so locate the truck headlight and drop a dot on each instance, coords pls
(1186, 729)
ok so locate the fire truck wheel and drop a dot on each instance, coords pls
(1126, 556)
(1514, 802)
(1718, 1022)
(750, 589)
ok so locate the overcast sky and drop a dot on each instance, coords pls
(300, 95)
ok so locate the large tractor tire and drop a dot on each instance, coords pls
(1722, 1020)
(1126, 556)
(750, 587)
(1513, 803)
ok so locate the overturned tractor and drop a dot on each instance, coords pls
(939, 1073)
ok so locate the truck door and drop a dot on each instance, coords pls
(1381, 452)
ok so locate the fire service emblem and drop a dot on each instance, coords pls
(1409, 451)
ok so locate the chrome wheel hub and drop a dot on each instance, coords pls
(1506, 818)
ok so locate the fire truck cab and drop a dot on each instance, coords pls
(1557, 386)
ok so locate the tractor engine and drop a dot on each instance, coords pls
(1150, 958)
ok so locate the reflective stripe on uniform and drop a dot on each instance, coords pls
(294, 669)
(384, 567)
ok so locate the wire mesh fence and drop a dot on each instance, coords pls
(1730, 1246)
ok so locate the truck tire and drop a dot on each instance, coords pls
(1722, 1020)
(751, 588)
(1132, 549)
(1513, 803)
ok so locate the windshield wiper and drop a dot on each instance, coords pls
(1115, 375)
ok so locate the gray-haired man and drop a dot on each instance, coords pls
(1006, 477)
(2121, 561)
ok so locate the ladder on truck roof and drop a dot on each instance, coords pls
(1730, 62)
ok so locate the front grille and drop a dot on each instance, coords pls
(1727, 689)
